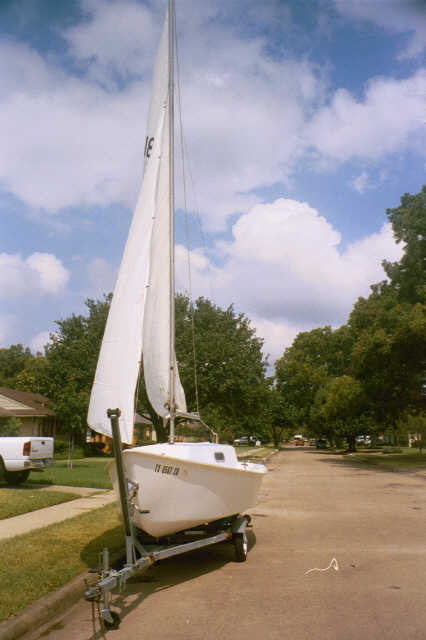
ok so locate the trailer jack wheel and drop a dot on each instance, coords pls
(241, 546)
(110, 619)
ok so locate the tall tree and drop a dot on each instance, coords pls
(389, 354)
(12, 362)
(389, 327)
(308, 364)
(408, 276)
(230, 365)
(72, 356)
(339, 410)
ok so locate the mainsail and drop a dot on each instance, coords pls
(139, 316)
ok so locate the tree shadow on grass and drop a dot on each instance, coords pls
(113, 539)
(162, 575)
(373, 463)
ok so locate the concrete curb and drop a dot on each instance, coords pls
(52, 605)
(48, 607)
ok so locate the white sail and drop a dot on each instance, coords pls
(137, 320)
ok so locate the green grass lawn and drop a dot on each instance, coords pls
(408, 460)
(15, 502)
(253, 452)
(38, 562)
(86, 472)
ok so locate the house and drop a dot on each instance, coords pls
(144, 431)
(30, 409)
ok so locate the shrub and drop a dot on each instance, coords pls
(61, 447)
(92, 449)
(391, 450)
(10, 426)
(62, 450)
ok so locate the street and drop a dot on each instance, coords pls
(312, 508)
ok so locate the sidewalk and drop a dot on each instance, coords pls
(93, 499)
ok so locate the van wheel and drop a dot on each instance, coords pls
(16, 477)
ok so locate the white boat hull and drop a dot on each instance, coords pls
(184, 485)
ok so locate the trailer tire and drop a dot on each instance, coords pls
(16, 477)
(115, 621)
(241, 546)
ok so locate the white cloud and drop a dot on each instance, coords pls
(77, 140)
(102, 275)
(277, 336)
(388, 119)
(7, 324)
(70, 141)
(361, 183)
(65, 142)
(39, 273)
(39, 341)
(284, 267)
(399, 16)
(97, 40)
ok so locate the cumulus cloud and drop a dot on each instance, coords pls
(7, 323)
(66, 142)
(106, 56)
(387, 119)
(285, 268)
(39, 273)
(39, 341)
(86, 148)
(400, 16)
(76, 139)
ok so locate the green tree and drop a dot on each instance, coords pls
(230, 365)
(12, 362)
(72, 355)
(230, 368)
(389, 327)
(415, 425)
(408, 276)
(281, 419)
(340, 410)
(35, 376)
(10, 426)
(389, 354)
(307, 365)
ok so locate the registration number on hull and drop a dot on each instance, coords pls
(167, 469)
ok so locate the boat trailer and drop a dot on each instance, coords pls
(140, 557)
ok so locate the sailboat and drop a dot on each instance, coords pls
(174, 486)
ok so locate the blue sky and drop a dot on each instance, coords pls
(304, 121)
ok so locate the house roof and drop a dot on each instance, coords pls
(22, 404)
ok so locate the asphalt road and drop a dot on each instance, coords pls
(312, 509)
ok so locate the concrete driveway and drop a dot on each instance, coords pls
(313, 508)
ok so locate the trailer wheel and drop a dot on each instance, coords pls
(115, 621)
(16, 477)
(241, 546)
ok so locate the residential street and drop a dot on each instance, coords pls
(312, 509)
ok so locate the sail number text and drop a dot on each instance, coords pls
(167, 469)
(149, 142)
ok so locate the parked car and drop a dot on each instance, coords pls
(247, 441)
(21, 454)
(299, 443)
(321, 443)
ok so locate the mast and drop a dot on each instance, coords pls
(172, 400)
